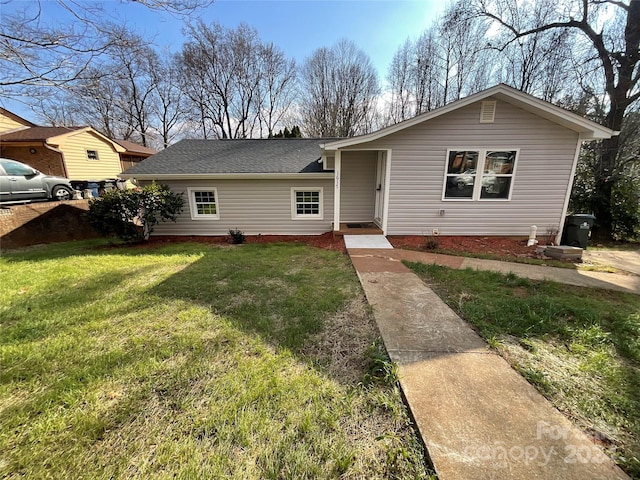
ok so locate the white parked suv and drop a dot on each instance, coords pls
(21, 183)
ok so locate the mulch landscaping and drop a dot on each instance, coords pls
(498, 246)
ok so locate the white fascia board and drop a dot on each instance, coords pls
(230, 176)
(572, 121)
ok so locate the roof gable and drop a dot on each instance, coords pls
(588, 129)
(54, 136)
(16, 118)
(60, 138)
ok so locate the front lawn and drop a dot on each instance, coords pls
(580, 347)
(193, 361)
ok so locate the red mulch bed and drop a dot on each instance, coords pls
(326, 240)
(498, 246)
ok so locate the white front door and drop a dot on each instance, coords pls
(380, 188)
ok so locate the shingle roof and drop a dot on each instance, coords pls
(36, 134)
(192, 157)
(133, 147)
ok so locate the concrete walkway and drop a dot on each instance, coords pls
(479, 419)
(611, 281)
(627, 260)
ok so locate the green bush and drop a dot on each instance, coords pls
(131, 214)
(237, 236)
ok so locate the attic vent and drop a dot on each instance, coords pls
(488, 111)
(329, 163)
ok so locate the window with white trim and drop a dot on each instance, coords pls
(306, 203)
(482, 174)
(203, 203)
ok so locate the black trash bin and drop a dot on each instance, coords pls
(577, 230)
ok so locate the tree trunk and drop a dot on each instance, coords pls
(605, 172)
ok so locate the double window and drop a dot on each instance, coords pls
(306, 203)
(479, 174)
(204, 203)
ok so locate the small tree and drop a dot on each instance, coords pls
(131, 214)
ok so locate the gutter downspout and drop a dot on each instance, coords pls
(569, 188)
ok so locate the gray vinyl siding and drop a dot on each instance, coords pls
(253, 206)
(358, 186)
(418, 162)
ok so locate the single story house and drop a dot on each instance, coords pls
(493, 163)
(78, 153)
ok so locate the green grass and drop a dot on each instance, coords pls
(579, 346)
(193, 361)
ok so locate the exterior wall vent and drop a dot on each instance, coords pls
(488, 111)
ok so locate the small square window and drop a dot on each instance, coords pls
(306, 203)
(92, 155)
(204, 204)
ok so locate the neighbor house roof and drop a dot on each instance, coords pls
(36, 134)
(221, 157)
(53, 135)
(135, 149)
(588, 130)
(16, 118)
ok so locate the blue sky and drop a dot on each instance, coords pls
(299, 27)
(378, 27)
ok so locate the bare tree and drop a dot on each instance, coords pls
(462, 47)
(448, 60)
(235, 82)
(428, 84)
(169, 109)
(416, 78)
(134, 67)
(36, 53)
(276, 92)
(401, 82)
(540, 63)
(609, 33)
(341, 86)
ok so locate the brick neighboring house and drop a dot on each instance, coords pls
(78, 153)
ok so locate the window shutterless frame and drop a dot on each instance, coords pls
(93, 155)
(203, 203)
(306, 203)
(479, 174)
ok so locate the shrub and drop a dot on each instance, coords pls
(431, 244)
(237, 236)
(131, 214)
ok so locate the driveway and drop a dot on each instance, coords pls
(627, 260)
